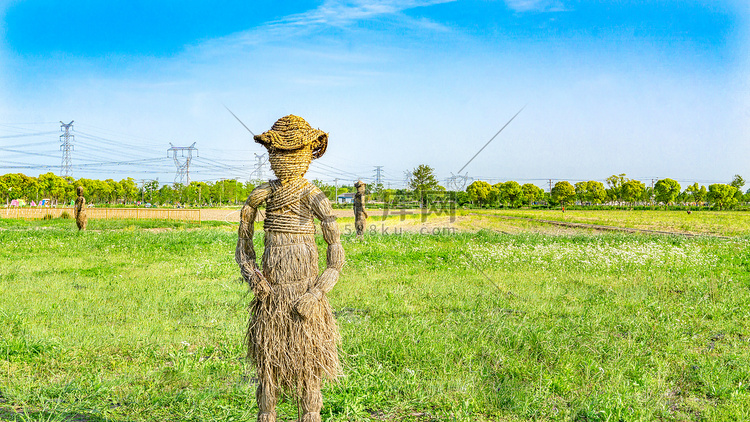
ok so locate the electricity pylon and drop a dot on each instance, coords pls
(67, 146)
(182, 175)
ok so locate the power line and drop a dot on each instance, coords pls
(26, 144)
(22, 135)
(149, 141)
(118, 163)
(37, 154)
(123, 146)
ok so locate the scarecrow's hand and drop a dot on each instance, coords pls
(260, 285)
(306, 304)
(326, 280)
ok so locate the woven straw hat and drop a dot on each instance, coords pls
(293, 132)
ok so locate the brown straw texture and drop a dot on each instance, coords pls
(360, 214)
(287, 165)
(291, 133)
(80, 209)
(292, 336)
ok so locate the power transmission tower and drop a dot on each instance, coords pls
(378, 173)
(182, 175)
(260, 160)
(67, 145)
(458, 182)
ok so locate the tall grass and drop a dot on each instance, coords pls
(128, 324)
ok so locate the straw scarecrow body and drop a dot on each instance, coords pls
(80, 209)
(360, 215)
(292, 335)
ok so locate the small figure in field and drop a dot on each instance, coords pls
(360, 215)
(292, 335)
(80, 209)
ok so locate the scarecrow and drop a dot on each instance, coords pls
(292, 335)
(360, 215)
(80, 209)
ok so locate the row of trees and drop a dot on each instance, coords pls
(423, 189)
(509, 193)
(620, 190)
(62, 190)
(126, 191)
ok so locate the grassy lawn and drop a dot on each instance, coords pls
(135, 321)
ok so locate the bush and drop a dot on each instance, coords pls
(65, 215)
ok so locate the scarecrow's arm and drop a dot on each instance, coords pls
(334, 255)
(245, 252)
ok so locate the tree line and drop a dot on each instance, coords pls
(128, 191)
(620, 190)
(422, 190)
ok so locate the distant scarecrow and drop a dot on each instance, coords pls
(80, 209)
(292, 335)
(360, 215)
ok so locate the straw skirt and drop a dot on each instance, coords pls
(286, 347)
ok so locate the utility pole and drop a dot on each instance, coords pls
(182, 175)
(143, 189)
(221, 198)
(67, 146)
(336, 196)
(652, 194)
(550, 185)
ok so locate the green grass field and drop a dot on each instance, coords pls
(144, 321)
(724, 223)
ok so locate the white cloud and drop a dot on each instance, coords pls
(535, 5)
(337, 12)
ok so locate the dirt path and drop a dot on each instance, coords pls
(233, 216)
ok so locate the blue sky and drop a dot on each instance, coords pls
(652, 88)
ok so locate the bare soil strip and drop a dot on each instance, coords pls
(606, 228)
